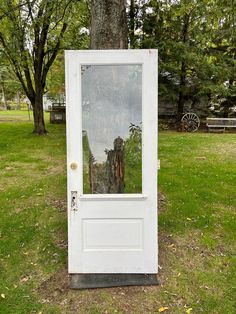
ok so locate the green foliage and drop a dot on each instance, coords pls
(132, 157)
(76, 37)
(86, 156)
(31, 35)
(21, 36)
(9, 85)
(195, 39)
(133, 160)
(196, 47)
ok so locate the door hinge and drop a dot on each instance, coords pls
(74, 200)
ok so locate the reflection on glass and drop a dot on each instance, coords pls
(112, 135)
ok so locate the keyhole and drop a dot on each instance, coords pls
(74, 200)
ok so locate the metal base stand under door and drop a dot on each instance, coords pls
(85, 281)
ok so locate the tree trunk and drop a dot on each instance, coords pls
(116, 167)
(18, 101)
(228, 102)
(4, 96)
(39, 125)
(182, 86)
(183, 71)
(226, 111)
(132, 24)
(108, 25)
(108, 31)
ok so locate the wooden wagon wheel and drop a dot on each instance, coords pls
(190, 122)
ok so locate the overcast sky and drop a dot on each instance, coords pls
(111, 100)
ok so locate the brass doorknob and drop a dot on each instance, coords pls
(73, 165)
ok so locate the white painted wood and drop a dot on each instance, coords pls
(102, 197)
(112, 233)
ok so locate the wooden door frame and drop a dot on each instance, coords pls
(74, 60)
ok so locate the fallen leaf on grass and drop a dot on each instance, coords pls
(200, 158)
(188, 311)
(17, 210)
(172, 246)
(163, 309)
(24, 279)
(3, 296)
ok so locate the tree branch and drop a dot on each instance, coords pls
(11, 11)
(14, 65)
(54, 54)
(63, 14)
(39, 48)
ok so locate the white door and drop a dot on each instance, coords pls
(111, 95)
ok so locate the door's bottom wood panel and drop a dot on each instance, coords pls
(112, 234)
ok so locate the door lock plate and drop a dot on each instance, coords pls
(74, 200)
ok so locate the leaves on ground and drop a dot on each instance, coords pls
(163, 309)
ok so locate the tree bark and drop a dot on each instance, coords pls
(183, 70)
(108, 25)
(18, 101)
(108, 31)
(116, 167)
(4, 96)
(182, 86)
(132, 24)
(39, 125)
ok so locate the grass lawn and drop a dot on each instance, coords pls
(197, 230)
(18, 116)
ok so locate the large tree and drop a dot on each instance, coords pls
(108, 31)
(108, 24)
(30, 36)
(196, 48)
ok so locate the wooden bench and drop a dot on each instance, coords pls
(219, 124)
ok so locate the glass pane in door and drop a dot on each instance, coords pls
(112, 128)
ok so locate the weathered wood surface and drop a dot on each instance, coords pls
(108, 177)
(219, 124)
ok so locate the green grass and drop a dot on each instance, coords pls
(196, 227)
(198, 176)
(19, 116)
